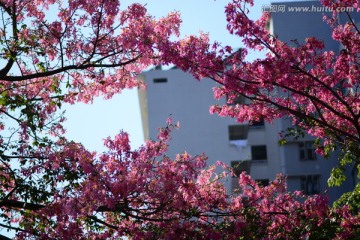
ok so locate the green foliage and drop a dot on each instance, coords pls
(352, 199)
(337, 177)
(348, 157)
(292, 132)
(282, 142)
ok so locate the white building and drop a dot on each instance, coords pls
(253, 148)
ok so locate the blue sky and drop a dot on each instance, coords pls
(89, 124)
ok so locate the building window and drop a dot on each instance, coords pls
(238, 132)
(259, 153)
(263, 182)
(307, 151)
(257, 124)
(160, 80)
(310, 184)
(240, 166)
(239, 99)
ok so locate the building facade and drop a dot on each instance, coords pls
(252, 148)
(293, 22)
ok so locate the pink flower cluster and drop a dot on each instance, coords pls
(57, 52)
(318, 89)
(144, 194)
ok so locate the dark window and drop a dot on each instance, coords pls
(259, 152)
(263, 182)
(239, 99)
(160, 80)
(307, 151)
(238, 132)
(257, 124)
(239, 167)
(310, 184)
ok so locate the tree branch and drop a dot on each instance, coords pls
(13, 54)
(67, 68)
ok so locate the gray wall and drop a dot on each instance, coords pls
(289, 26)
(188, 100)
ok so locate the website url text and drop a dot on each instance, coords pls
(284, 8)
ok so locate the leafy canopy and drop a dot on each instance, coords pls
(54, 52)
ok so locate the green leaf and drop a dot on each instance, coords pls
(351, 199)
(337, 177)
(346, 159)
(282, 142)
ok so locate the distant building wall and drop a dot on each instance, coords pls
(293, 27)
(177, 94)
